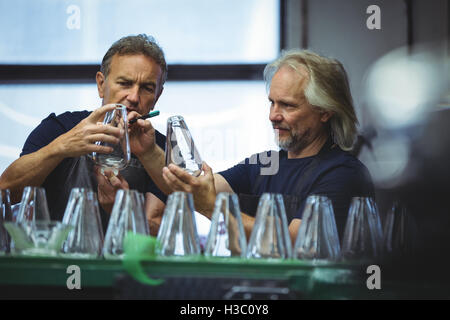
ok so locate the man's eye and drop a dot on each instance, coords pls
(124, 83)
(288, 106)
(149, 89)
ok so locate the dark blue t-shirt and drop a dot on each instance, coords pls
(338, 175)
(78, 172)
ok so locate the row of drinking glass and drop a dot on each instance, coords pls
(317, 237)
(80, 233)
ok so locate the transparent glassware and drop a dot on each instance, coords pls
(5, 216)
(363, 235)
(127, 215)
(270, 235)
(120, 157)
(226, 236)
(317, 237)
(37, 238)
(33, 206)
(85, 240)
(178, 231)
(400, 231)
(180, 148)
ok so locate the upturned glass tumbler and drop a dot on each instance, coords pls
(85, 240)
(317, 237)
(270, 235)
(400, 232)
(180, 147)
(127, 215)
(178, 231)
(363, 235)
(226, 236)
(33, 206)
(5, 216)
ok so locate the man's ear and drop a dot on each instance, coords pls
(326, 115)
(100, 79)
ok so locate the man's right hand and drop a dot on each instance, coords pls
(142, 136)
(80, 140)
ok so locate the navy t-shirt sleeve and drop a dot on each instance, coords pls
(50, 128)
(47, 131)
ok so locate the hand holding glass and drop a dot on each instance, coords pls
(119, 158)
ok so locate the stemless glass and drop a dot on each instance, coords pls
(400, 231)
(226, 235)
(127, 216)
(270, 235)
(85, 240)
(180, 148)
(318, 238)
(178, 231)
(120, 157)
(33, 206)
(363, 235)
(5, 216)
(37, 238)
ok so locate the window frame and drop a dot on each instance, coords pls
(85, 73)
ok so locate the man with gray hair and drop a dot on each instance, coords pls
(312, 113)
(133, 72)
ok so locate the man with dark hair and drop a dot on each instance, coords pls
(132, 73)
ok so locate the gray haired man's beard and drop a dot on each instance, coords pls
(293, 142)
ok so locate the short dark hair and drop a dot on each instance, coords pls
(136, 44)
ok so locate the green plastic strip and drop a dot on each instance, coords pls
(137, 248)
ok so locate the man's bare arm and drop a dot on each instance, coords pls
(154, 162)
(32, 169)
(29, 170)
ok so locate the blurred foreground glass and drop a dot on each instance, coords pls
(37, 238)
(33, 206)
(5, 216)
(400, 231)
(82, 213)
(119, 158)
(363, 235)
(178, 231)
(226, 235)
(270, 235)
(180, 148)
(127, 215)
(317, 237)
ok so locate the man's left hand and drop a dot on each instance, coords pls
(108, 184)
(202, 187)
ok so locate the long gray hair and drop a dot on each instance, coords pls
(328, 89)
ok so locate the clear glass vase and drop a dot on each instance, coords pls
(270, 234)
(226, 236)
(180, 147)
(178, 231)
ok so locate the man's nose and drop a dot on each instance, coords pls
(133, 95)
(275, 114)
